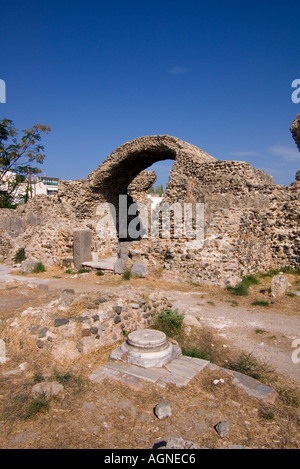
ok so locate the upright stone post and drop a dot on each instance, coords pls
(82, 246)
(2, 351)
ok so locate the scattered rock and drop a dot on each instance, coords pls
(43, 333)
(180, 443)
(218, 381)
(67, 296)
(82, 318)
(139, 270)
(91, 306)
(236, 447)
(190, 320)
(163, 409)
(100, 300)
(61, 322)
(295, 293)
(50, 389)
(118, 309)
(222, 428)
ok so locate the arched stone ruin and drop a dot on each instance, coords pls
(250, 223)
(125, 163)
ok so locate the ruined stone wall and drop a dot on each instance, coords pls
(295, 129)
(137, 189)
(5, 245)
(251, 224)
(44, 227)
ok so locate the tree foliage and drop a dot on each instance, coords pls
(19, 157)
(159, 190)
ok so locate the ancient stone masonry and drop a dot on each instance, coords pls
(127, 161)
(250, 224)
(295, 129)
(44, 227)
(137, 189)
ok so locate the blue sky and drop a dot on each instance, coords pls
(216, 74)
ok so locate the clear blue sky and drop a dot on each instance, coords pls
(216, 74)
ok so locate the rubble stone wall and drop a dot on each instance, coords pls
(295, 129)
(251, 224)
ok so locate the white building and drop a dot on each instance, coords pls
(45, 186)
(37, 186)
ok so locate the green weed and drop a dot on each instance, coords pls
(20, 256)
(39, 268)
(260, 303)
(169, 322)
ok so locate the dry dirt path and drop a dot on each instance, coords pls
(266, 334)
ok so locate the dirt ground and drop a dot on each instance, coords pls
(114, 415)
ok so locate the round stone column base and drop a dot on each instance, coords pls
(147, 348)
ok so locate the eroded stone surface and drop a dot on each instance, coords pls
(279, 285)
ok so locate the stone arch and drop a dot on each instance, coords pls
(125, 163)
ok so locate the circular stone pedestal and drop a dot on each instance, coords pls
(147, 340)
(147, 348)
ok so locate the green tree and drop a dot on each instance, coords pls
(18, 159)
(150, 190)
(159, 191)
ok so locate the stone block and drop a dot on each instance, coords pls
(139, 270)
(27, 267)
(120, 266)
(252, 387)
(82, 246)
(279, 285)
(180, 368)
(2, 351)
(147, 374)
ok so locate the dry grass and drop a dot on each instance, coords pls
(114, 415)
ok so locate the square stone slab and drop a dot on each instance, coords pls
(179, 371)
